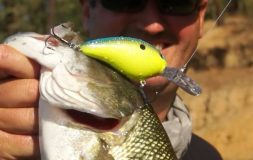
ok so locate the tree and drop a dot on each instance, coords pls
(36, 16)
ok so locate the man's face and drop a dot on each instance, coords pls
(176, 36)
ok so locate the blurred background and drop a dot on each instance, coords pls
(223, 66)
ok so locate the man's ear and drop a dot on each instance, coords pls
(85, 15)
(202, 11)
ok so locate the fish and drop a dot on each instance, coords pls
(87, 109)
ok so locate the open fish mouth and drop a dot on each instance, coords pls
(92, 122)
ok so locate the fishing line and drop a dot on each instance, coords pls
(183, 68)
(214, 25)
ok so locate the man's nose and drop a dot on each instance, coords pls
(150, 20)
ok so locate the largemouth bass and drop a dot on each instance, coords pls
(87, 110)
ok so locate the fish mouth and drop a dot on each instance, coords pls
(91, 121)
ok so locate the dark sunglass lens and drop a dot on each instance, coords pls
(178, 7)
(124, 5)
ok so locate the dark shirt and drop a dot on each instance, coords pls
(199, 149)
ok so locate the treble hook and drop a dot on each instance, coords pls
(71, 45)
(46, 45)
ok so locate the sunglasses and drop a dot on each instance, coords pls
(170, 7)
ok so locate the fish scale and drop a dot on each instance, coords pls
(147, 140)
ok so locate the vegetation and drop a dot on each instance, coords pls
(36, 15)
(40, 15)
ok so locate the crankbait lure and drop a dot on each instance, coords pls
(134, 58)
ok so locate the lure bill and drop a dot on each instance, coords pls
(134, 58)
(179, 78)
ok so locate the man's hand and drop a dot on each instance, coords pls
(18, 105)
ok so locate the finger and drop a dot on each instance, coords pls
(14, 63)
(19, 120)
(19, 93)
(18, 146)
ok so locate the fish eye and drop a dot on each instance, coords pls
(142, 46)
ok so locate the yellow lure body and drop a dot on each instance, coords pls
(132, 57)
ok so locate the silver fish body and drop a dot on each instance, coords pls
(120, 125)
